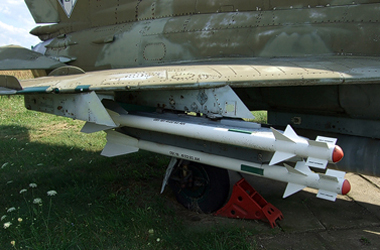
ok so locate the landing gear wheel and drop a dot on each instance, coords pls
(200, 187)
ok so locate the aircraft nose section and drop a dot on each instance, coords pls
(337, 154)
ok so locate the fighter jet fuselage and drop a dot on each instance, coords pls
(104, 35)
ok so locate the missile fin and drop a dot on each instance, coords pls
(111, 150)
(323, 142)
(332, 175)
(290, 133)
(328, 177)
(90, 127)
(280, 156)
(293, 170)
(119, 144)
(335, 173)
(292, 188)
(326, 195)
(328, 140)
(316, 163)
(302, 167)
(281, 137)
(112, 113)
(318, 144)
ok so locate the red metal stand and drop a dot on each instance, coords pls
(247, 203)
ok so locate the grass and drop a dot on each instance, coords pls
(101, 203)
(260, 117)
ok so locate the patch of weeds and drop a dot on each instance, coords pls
(27, 225)
(365, 241)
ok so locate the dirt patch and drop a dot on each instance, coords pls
(49, 130)
(19, 74)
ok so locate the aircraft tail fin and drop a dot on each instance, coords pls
(58, 11)
(44, 11)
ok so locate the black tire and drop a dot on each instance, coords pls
(204, 188)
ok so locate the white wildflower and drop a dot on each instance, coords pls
(158, 239)
(23, 191)
(51, 193)
(4, 165)
(13, 243)
(70, 159)
(19, 219)
(11, 209)
(33, 185)
(3, 217)
(37, 201)
(6, 225)
(151, 231)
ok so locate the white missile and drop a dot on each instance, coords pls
(299, 177)
(284, 145)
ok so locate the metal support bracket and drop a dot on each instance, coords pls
(213, 102)
(81, 106)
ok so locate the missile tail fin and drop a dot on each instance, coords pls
(279, 157)
(292, 188)
(281, 137)
(119, 144)
(90, 127)
(294, 170)
(290, 133)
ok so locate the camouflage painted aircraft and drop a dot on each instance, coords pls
(141, 69)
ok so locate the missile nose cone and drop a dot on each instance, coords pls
(346, 187)
(337, 154)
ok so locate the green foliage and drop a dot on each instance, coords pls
(101, 203)
(260, 116)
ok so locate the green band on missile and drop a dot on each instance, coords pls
(240, 131)
(252, 170)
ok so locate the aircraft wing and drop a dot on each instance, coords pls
(18, 58)
(79, 100)
(240, 73)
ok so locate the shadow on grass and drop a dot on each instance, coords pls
(101, 203)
